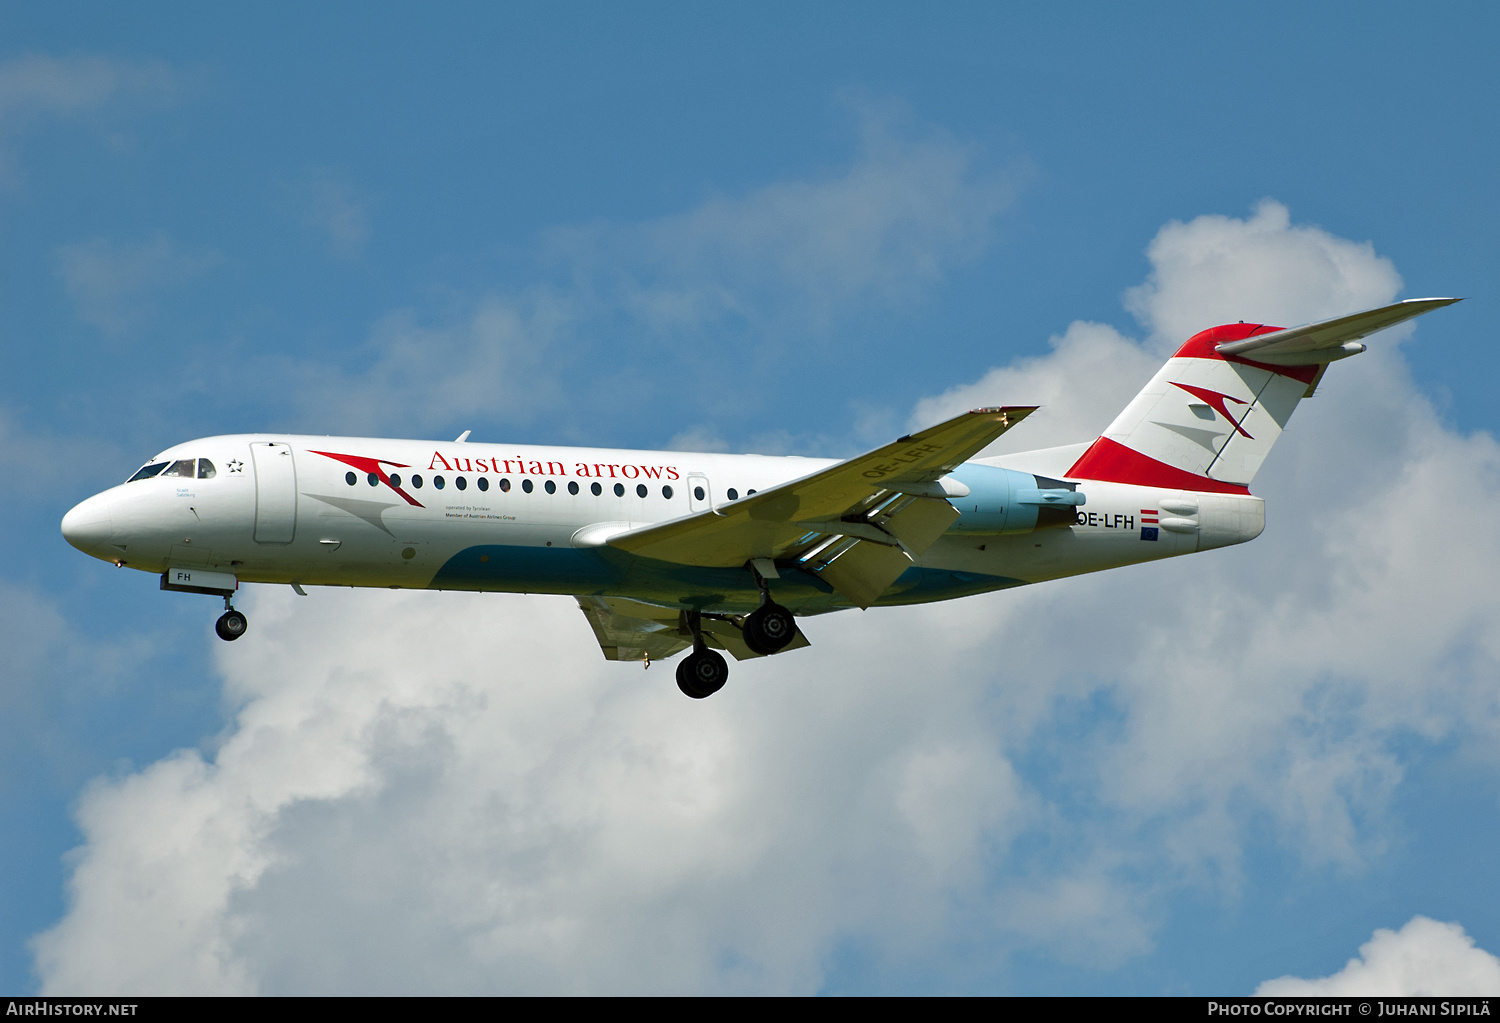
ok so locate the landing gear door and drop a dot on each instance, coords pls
(700, 495)
(275, 492)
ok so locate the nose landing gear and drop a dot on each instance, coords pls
(231, 624)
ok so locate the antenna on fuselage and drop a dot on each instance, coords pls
(462, 437)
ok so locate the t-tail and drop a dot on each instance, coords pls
(1208, 418)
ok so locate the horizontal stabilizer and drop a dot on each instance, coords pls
(1208, 418)
(1329, 340)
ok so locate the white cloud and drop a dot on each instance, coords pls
(1423, 959)
(442, 792)
(882, 230)
(41, 466)
(53, 680)
(1092, 372)
(36, 86)
(1262, 269)
(548, 820)
(497, 359)
(697, 438)
(332, 207)
(719, 297)
(115, 285)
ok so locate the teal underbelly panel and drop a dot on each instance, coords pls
(924, 585)
(529, 570)
(607, 572)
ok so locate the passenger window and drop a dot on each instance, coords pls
(437, 481)
(698, 493)
(640, 490)
(734, 495)
(526, 485)
(181, 467)
(350, 478)
(484, 483)
(749, 492)
(666, 492)
(395, 480)
(145, 472)
(595, 489)
(374, 480)
(572, 487)
(206, 469)
(416, 482)
(551, 487)
(504, 485)
(619, 490)
(461, 483)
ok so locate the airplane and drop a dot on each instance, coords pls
(669, 550)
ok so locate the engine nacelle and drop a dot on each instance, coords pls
(1008, 501)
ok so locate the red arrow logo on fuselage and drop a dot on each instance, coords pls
(372, 465)
(1215, 401)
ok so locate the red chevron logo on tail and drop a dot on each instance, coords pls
(1215, 400)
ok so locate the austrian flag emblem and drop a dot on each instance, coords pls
(1149, 527)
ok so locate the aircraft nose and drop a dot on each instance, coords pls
(88, 526)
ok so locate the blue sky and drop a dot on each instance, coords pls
(782, 229)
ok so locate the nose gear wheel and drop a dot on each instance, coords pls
(231, 625)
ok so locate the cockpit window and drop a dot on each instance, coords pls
(181, 467)
(206, 469)
(145, 472)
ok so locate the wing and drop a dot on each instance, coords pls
(858, 524)
(1331, 339)
(629, 630)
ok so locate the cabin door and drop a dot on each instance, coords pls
(275, 492)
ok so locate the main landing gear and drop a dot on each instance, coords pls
(770, 627)
(231, 624)
(767, 630)
(702, 672)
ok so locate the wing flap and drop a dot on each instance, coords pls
(726, 635)
(920, 523)
(628, 630)
(863, 570)
(1330, 339)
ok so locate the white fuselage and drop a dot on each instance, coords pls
(342, 511)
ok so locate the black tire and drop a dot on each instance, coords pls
(685, 680)
(769, 629)
(701, 674)
(231, 626)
